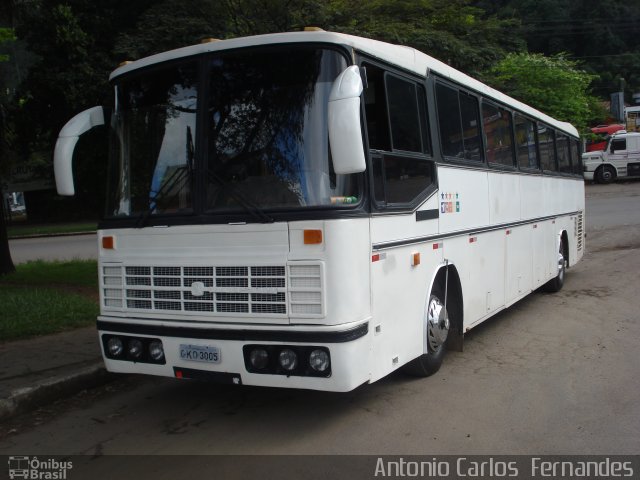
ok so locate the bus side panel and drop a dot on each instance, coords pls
(400, 289)
(504, 197)
(480, 260)
(518, 263)
(464, 199)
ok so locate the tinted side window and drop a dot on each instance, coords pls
(547, 148)
(526, 143)
(470, 112)
(405, 178)
(458, 120)
(375, 106)
(497, 129)
(576, 159)
(618, 144)
(449, 121)
(395, 110)
(564, 160)
(404, 116)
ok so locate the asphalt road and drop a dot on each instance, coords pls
(54, 248)
(554, 374)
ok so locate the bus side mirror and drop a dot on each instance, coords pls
(66, 144)
(345, 132)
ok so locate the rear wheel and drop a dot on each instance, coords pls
(606, 174)
(555, 285)
(437, 325)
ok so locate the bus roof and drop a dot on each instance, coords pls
(404, 57)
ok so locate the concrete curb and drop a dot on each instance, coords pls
(46, 391)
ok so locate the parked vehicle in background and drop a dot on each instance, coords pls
(620, 159)
(602, 133)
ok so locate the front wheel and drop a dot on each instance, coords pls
(556, 284)
(606, 174)
(437, 329)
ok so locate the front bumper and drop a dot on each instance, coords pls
(349, 347)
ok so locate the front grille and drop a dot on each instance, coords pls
(236, 290)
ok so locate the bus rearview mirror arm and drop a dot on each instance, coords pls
(345, 131)
(66, 144)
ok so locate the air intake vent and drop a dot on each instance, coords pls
(579, 229)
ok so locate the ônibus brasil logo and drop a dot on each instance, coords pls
(32, 468)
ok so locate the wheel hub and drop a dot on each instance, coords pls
(437, 323)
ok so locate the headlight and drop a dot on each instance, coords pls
(156, 352)
(115, 346)
(134, 348)
(288, 359)
(259, 358)
(319, 360)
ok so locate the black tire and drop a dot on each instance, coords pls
(555, 285)
(429, 363)
(606, 174)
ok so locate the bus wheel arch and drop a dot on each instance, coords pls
(555, 284)
(443, 331)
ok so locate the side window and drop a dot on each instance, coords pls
(526, 143)
(395, 110)
(546, 144)
(449, 121)
(375, 106)
(576, 159)
(404, 114)
(496, 122)
(564, 160)
(618, 144)
(458, 121)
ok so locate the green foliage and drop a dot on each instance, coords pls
(6, 35)
(451, 30)
(602, 34)
(554, 85)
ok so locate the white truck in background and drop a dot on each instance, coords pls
(620, 159)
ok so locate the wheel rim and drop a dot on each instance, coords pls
(561, 261)
(607, 175)
(437, 324)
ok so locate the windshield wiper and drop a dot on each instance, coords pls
(243, 201)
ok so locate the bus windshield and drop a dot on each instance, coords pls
(251, 133)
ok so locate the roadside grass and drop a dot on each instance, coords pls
(48, 297)
(25, 230)
(82, 273)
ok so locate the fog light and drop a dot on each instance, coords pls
(319, 360)
(135, 348)
(156, 352)
(259, 358)
(288, 359)
(115, 346)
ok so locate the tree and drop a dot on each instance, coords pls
(452, 31)
(554, 85)
(603, 34)
(6, 262)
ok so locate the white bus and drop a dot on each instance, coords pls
(316, 210)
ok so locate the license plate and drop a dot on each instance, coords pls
(200, 353)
